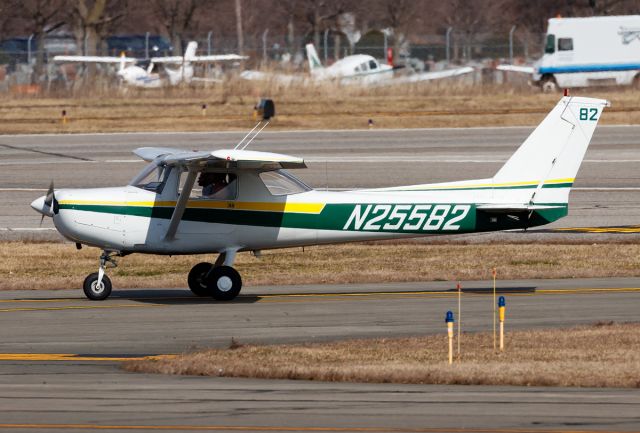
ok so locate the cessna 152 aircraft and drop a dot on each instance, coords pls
(133, 75)
(355, 69)
(248, 202)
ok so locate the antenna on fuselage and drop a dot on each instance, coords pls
(266, 109)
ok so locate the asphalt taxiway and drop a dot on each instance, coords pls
(60, 353)
(606, 192)
(60, 356)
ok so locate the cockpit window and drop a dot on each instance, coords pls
(216, 186)
(282, 183)
(373, 64)
(151, 178)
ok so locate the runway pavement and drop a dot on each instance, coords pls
(606, 193)
(60, 355)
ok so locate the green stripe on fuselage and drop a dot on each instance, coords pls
(385, 218)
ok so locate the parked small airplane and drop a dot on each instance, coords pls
(133, 75)
(355, 69)
(245, 201)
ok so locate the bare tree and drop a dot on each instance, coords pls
(176, 17)
(90, 19)
(40, 17)
(319, 12)
(474, 20)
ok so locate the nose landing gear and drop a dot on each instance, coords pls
(97, 286)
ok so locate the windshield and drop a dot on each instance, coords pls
(282, 183)
(550, 46)
(150, 178)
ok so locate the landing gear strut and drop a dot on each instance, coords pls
(218, 280)
(97, 286)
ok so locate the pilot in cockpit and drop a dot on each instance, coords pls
(215, 185)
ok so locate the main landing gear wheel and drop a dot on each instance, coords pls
(222, 283)
(95, 291)
(196, 279)
(225, 283)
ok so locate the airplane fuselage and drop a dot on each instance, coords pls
(131, 219)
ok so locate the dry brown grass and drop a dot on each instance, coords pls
(604, 355)
(61, 266)
(319, 107)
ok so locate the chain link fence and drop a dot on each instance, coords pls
(24, 69)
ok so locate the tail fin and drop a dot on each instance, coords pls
(550, 157)
(312, 57)
(123, 58)
(190, 52)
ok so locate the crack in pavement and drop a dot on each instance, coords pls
(42, 152)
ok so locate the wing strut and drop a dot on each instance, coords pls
(181, 205)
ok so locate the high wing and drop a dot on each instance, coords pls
(178, 60)
(94, 59)
(231, 158)
(515, 68)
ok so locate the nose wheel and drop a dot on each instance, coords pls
(97, 286)
(96, 290)
(222, 283)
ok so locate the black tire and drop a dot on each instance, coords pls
(93, 292)
(225, 283)
(196, 280)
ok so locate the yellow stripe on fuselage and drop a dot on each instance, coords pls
(312, 208)
(479, 185)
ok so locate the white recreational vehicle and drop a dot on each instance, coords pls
(593, 51)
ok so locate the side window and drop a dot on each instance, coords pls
(214, 186)
(373, 64)
(550, 46)
(565, 44)
(364, 67)
(282, 183)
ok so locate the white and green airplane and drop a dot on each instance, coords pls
(248, 202)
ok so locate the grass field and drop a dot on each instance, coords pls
(61, 266)
(601, 355)
(230, 107)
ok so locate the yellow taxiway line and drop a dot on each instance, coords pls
(298, 297)
(284, 429)
(79, 307)
(73, 357)
(619, 229)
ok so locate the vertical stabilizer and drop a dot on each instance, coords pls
(544, 167)
(122, 61)
(312, 57)
(190, 52)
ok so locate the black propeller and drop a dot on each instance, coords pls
(50, 202)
